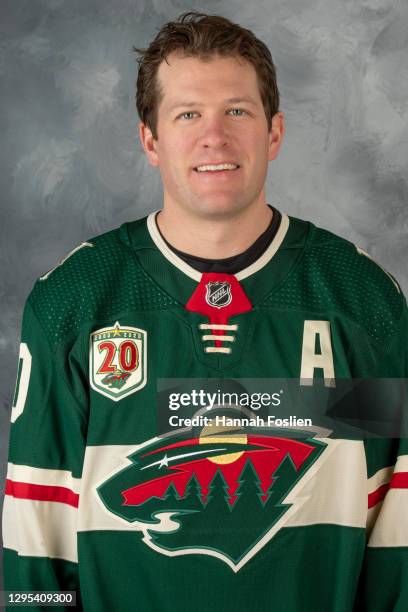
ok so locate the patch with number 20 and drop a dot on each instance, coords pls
(118, 360)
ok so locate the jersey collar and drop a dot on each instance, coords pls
(174, 259)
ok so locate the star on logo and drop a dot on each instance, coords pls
(164, 462)
(117, 329)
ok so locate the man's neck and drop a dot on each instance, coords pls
(214, 238)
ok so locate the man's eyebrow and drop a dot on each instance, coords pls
(237, 100)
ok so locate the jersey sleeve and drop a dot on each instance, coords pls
(384, 578)
(46, 450)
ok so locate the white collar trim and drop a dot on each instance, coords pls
(195, 274)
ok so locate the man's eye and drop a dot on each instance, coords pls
(187, 115)
(237, 112)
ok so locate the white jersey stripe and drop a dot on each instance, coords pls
(391, 527)
(388, 518)
(402, 464)
(40, 529)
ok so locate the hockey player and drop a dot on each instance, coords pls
(219, 285)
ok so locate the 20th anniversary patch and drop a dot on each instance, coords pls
(118, 360)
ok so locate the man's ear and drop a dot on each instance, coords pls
(276, 135)
(149, 144)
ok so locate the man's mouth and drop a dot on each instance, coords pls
(216, 167)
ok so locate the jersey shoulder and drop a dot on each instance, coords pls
(336, 275)
(98, 279)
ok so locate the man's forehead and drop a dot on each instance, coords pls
(190, 71)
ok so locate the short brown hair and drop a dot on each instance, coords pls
(201, 35)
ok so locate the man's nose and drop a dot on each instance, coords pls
(214, 134)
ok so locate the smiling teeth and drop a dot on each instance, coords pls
(217, 167)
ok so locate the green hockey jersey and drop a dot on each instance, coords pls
(98, 502)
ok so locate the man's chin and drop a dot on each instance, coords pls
(217, 208)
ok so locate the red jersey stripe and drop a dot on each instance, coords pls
(378, 495)
(399, 481)
(25, 490)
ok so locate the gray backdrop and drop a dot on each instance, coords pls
(72, 166)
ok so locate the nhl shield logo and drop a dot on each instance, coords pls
(218, 294)
(118, 360)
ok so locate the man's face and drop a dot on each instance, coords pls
(211, 113)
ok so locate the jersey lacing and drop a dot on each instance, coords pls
(218, 337)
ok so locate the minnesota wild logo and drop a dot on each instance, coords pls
(117, 360)
(222, 493)
(116, 379)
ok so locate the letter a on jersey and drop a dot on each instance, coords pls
(312, 360)
(118, 360)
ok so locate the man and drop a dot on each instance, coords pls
(216, 285)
